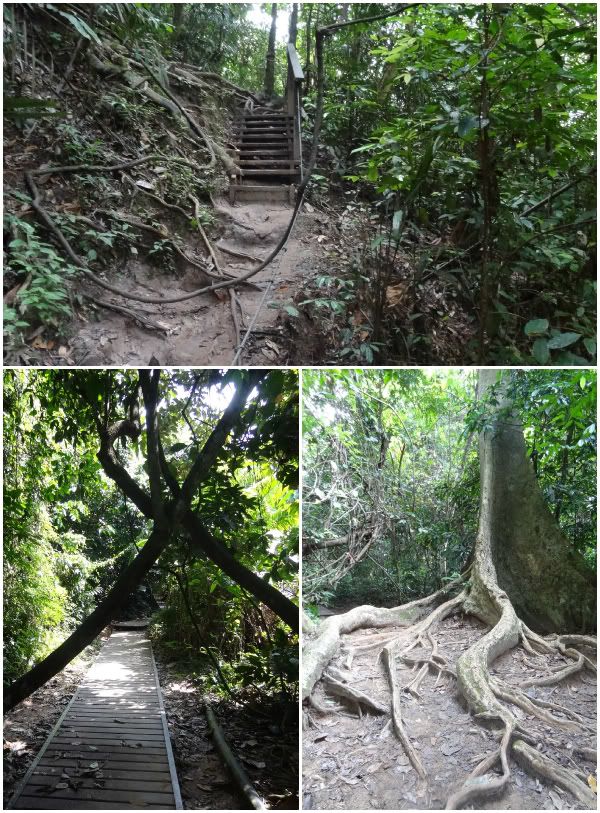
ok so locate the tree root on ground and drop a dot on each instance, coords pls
(344, 690)
(142, 319)
(489, 698)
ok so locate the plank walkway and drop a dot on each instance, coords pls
(110, 749)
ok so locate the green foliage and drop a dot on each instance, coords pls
(395, 451)
(66, 523)
(79, 146)
(384, 450)
(43, 296)
(402, 125)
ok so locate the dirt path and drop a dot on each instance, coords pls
(201, 331)
(352, 762)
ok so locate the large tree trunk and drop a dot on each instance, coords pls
(93, 624)
(545, 579)
(270, 63)
(521, 565)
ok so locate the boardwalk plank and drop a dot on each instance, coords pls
(114, 724)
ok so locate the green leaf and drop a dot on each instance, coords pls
(536, 326)
(291, 310)
(177, 447)
(397, 220)
(590, 346)
(540, 351)
(563, 340)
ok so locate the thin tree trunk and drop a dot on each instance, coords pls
(270, 63)
(564, 471)
(308, 66)
(293, 36)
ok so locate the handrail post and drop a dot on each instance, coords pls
(295, 77)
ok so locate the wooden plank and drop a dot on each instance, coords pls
(84, 727)
(133, 754)
(113, 783)
(248, 172)
(109, 773)
(294, 61)
(127, 798)
(44, 803)
(125, 756)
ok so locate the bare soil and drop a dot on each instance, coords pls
(199, 331)
(263, 735)
(356, 762)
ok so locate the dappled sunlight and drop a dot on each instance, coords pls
(111, 670)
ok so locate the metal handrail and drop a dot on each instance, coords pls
(293, 95)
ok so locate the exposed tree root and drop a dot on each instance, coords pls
(344, 690)
(535, 762)
(489, 698)
(142, 319)
(399, 730)
(320, 650)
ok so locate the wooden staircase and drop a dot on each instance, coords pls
(268, 151)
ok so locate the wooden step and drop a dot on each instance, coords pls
(266, 116)
(248, 136)
(243, 148)
(277, 162)
(253, 130)
(248, 172)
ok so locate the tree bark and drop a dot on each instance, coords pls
(307, 65)
(270, 62)
(168, 519)
(546, 581)
(293, 35)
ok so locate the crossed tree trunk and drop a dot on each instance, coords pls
(170, 516)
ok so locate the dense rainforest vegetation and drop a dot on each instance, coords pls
(98, 466)
(392, 475)
(450, 148)
(462, 508)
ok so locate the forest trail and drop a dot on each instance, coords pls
(110, 748)
(353, 761)
(201, 331)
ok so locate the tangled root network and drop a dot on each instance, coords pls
(493, 702)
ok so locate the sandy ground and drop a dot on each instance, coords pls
(356, 762)
(200, 331)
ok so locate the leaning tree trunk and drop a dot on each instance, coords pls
(544, 577)
(93, 624)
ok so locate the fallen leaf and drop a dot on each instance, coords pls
(254, 763)
(63, 351)
(592, 783)
(395, 294)
(43, 344)
(556, 800)
(61, 785)
(144, 184)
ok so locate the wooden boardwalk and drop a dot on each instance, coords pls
(110, 749)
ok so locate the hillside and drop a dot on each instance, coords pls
(404, 184)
